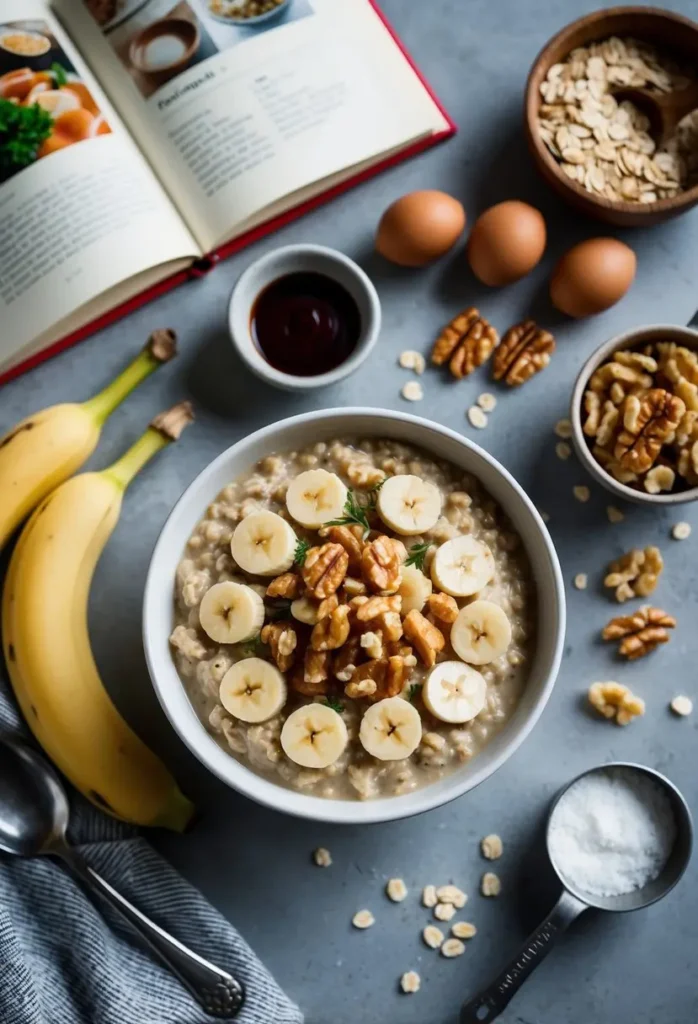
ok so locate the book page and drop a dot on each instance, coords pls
(241, 104)
(81, 210)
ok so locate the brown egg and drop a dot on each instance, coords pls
(506, 242)
(592, 276)
(420, 227)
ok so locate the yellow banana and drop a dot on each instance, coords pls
(47, 647)
(48, 447)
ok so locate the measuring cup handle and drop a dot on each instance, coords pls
(492, 1001)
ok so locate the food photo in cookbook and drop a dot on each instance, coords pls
(44, 104)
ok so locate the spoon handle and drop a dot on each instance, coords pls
(220, 995)
(488, 1005)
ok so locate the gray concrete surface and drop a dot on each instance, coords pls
(255, 864)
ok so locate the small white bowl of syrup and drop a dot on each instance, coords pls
(304, 316)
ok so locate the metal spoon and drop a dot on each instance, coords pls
(33, 820)
(492, 1001)
(664, 110)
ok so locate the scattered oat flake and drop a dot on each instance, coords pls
(581, 580)
(563, 450)
(412, 391)
(581, 492)
(477, 417)
(429, 898)
(490, 884)
(681, 706)
(411, 360)
(492, 847)
(363, 919)
(563, 429)
(463, 930)
(452, 947)
(451, 894)
(410, 982)
(487, 401)
(681, 531)
(444, 911)
(614, 514)
(433, 936)
(322, 857)
(396, 890)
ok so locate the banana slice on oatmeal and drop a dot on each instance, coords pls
(316, 497)
(454, 692)
(408, 504)
(391, 729)
(462, 567)
(314, 736)
(263, 544)
(253, 690)
(481, 633)
(231, 612)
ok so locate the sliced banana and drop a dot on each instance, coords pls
(414, 590)
(462, 566)
(314, 736)
(264, 544)
(315, 497)
(408, 504)
(253, 690)
(231, 612)
(391, 729)
(481, 633)
(305, 610)
(454, 692)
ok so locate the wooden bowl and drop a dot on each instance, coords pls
(676, 34)
(186, 36)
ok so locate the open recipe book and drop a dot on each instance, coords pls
(141, 141)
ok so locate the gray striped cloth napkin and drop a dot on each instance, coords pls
(62, 962)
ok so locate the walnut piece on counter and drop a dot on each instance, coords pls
(612, 700)
(640, 633)
(525, 350)
(324, 569)
(635, 574)
(465, 343)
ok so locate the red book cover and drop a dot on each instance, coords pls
(234, 246)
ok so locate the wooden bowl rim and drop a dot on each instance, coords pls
(154, 29)
(532, 102)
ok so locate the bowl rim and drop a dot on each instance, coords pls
(138, 40)
(532, 102)
(178, 709)
(632, 337)
(240, 303)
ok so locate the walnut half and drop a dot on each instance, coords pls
(612, 700)
(465, 343)
(635, 574)
(641, 633)
(324, 569)
(525, 350)
(648, 422)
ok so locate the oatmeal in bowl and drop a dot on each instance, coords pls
(355, 620)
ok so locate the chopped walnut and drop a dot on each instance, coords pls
(362, 474)
(443, 607)
(353, 587)
(361, 690)
(288, 585)
(389, 674)
(635, 574)
(525, 350)
(326, 607)
(465, 343)
(629, 376)
(659, 478)
(283, 640)
(372, 643)
(324, 569)
(312, 678)
(351, 539)
(648, 423)
(427, 639)
(612, 700)
(371, 608)
(332, 631)
(641, 633)
(346, 659)
(380, 565)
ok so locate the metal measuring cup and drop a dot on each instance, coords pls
(488, 1005)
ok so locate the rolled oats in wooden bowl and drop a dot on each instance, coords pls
(356, 617)
(593, 144)
(634, 415)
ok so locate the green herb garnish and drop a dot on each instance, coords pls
(357, 508)
(335, 704)
(417, 554)
(22, 131)
(414, 691)
(302, 549)
(60, 75)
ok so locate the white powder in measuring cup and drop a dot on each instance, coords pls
(612, 832)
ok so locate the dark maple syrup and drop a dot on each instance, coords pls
(305, 324)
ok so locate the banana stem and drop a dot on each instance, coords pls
(164, 429)
(160, 348)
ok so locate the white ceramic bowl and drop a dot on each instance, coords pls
(686, 336)
(294, 433)
(292, 259)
